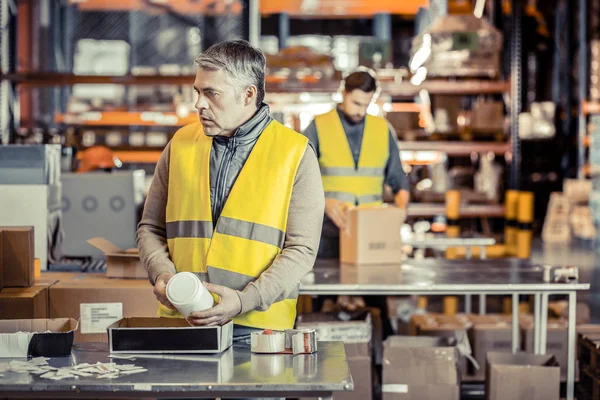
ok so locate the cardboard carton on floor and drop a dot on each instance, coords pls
(423, 368)
(359, 361)
(556, 340)
(120, 263)
(522, 376)
(17, 263)
(97, 301)
(372, 236)
(36, 337)
(489, 333)
(438, 325)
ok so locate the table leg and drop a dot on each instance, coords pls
(515, 323)
(571, 347)
(482, 254)
(536, 323)
(468, 253)
(468, 304)
(482, 304)
(544, 323)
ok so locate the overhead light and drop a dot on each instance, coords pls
(373, 109)
(419, 76)
(419, 58)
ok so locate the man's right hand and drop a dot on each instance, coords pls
(160, 290)
(336, 211)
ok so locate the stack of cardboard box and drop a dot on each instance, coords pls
(95, 300)
(19, 296)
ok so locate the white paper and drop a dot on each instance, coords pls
(13, 345)
(96, 317)
(394, 388)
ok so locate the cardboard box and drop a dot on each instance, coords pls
(36, 337)
(488, 116)
(120, 264)
(556, 341)
(522, 376)
(489, 333)
(439, 325)
(330, 328)
(98, 301)
(18, 256)
(560, 309)
(167, 335)
(372, 236)
(420, 368)
(25, 303)
(360, 363)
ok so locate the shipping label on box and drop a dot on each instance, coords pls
(96, 317)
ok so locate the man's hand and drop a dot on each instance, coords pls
(351, 303)
(336, 211)
(228, 307)
(160, 290)
(401, 199)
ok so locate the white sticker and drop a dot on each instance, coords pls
(394, 388)
(96, 317)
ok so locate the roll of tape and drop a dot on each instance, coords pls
(304, 342)
(267, 342)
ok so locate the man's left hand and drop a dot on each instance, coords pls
(228, 307)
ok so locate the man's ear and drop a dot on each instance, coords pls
(250, 95)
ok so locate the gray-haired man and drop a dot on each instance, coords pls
(236, 198)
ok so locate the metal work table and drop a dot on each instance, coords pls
(235, 373)
(441, 242)
(456, 277)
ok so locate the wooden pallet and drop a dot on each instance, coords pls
(588, 353)
(589, 384)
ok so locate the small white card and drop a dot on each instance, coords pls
(96, 317)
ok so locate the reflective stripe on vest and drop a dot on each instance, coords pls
(250, 232)
(360, 184)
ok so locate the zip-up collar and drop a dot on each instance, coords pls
(251, 129)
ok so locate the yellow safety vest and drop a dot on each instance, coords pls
(360, 184)
(250, 231)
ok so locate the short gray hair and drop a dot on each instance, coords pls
(244, 63)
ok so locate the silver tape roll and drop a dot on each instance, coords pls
(304, 342)
(289, 336)
(267, 342)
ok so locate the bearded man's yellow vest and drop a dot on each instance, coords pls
(360, 184)
(250, 231)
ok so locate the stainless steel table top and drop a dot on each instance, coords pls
(445, 242)
(432, 276)
(235, 373)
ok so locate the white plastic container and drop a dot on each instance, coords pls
(187, 293)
